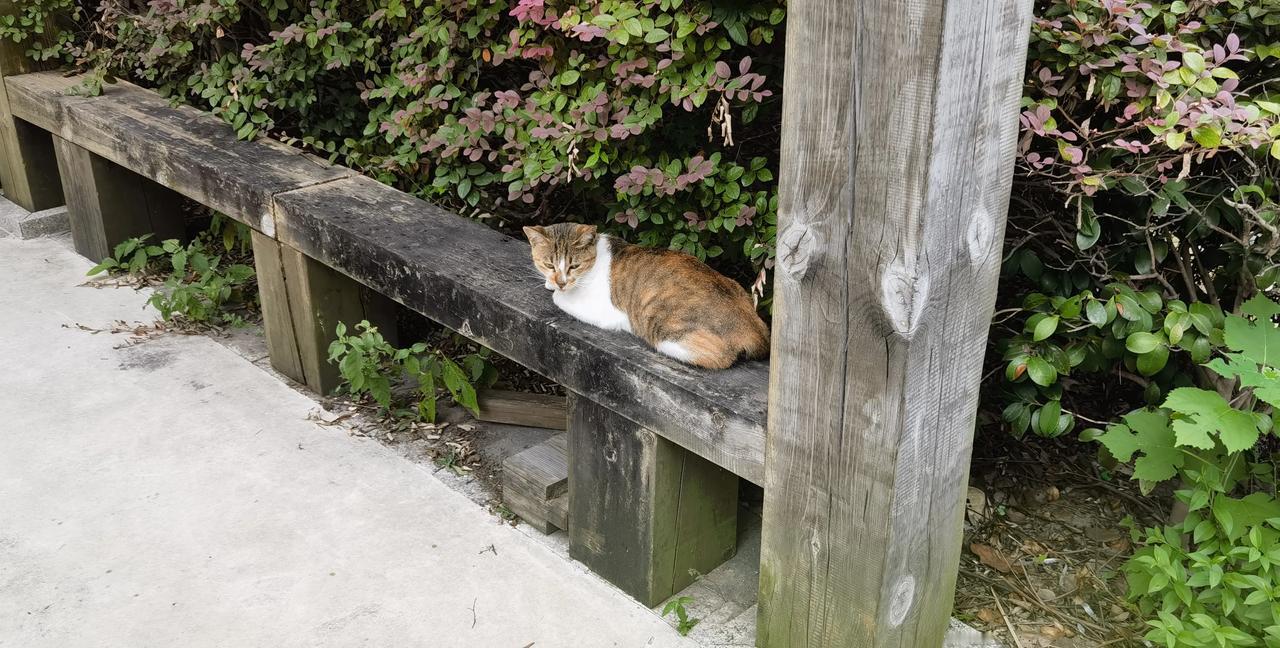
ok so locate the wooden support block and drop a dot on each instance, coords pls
(302, 303)
(535, 484)
(28, 170)
(522, 408)
(645, 511)
(107, 203)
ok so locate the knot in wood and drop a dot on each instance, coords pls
(465, 329)
(796, 245)
(980, 238)
(901, 600)
(719, 424)
(904, 291)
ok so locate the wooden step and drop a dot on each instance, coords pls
(521, 408)
(535, 484)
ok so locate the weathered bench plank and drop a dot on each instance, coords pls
(453, 270)
(107, 203)
(481, 283)
(189, 151)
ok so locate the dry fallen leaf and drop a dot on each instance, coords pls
(991, 557)
(988, 615)
(976, 506)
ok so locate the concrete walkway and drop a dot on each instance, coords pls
(173, 494)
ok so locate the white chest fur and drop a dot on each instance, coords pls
(589, 299)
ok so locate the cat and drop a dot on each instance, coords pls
(670, 299)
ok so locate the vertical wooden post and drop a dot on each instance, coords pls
(899, 130)
(108, 203)
(643, 511)
(28, 171)
(302, 302)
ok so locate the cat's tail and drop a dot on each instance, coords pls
(756, 346)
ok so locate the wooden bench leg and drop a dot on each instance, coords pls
(108, 203)
(302, 302)
(644, 512)
(28, 171)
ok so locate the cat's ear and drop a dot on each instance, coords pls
(584, 235)
(536, 235)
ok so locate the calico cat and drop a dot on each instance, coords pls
(673, 301)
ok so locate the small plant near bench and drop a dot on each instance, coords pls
(371, 366)
(1212, 578)
(200, 286)
(683, 622)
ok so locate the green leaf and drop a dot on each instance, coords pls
(1048, 423)
(1207, 136)
(1246, 513)
(737, 32)
(352, 369)
(1147, 435)
(1140, 343)
(656, 35)
(1096, 313)
(1150, 363)
(1042, 373)
(1193, 61)
(1045, 328)
(475, 366)
(1200, 414)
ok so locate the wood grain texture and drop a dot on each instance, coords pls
(320, 297)
(482, 284)
(302, 303)
(533, 479)
(277, 319)
(643, 511)
(107, 204)
(522, 408)
(898, 137)
(28, 170)
(188, 150)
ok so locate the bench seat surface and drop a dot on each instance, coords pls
(453, 270)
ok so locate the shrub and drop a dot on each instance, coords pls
(1212, 578)
(658, 116)
(1146, 200)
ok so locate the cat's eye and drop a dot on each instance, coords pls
(574, 266)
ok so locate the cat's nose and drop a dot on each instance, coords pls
(560, 281)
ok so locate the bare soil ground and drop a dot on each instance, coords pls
(1046, 533)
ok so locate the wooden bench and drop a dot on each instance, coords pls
(654, 447)
(893, 184)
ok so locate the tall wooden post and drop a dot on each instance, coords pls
(899, 130)
(28, 169)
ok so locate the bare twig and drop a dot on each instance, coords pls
(1007, 623)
